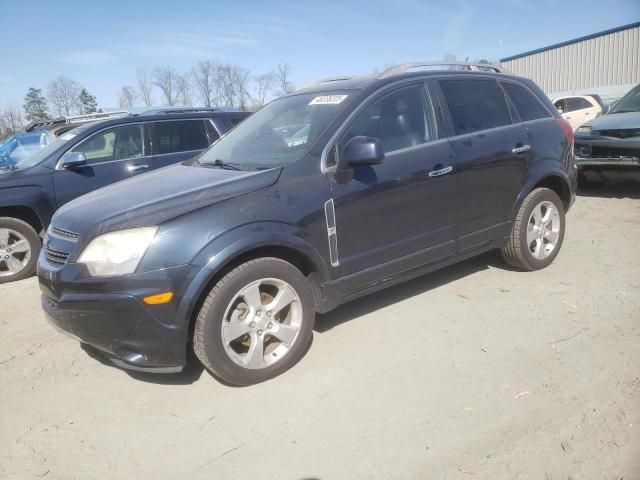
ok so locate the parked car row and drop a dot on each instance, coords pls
(88, 157)
(335, 191)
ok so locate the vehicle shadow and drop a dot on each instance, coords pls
(613, 189)
(190, 374)
(408, 289)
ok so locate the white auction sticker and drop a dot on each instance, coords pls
(328, 100)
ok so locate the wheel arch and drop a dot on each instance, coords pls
(553, 180)
(24, 213)
(290, 249)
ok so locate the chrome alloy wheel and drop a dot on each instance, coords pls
(543, 230)
(15, 252)
(261, 323)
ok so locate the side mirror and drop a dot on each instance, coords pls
(72, 160)
(362, 150)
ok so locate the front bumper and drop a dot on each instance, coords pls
(108, 313)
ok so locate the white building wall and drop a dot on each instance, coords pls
(608, 64)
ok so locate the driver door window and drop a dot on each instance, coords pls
(401, 119)
(119, 143)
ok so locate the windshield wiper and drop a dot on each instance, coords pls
(220, 164)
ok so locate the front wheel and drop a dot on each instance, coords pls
(19, 248)
(256, 322)
(538, 231)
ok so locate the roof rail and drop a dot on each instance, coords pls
(442, 65)
(315, 83)
(166, 110)
(95, 116)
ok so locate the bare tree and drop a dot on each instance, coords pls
(204, 81)
(225, 82)
(63, 93)
(282, 79)
(145, 86)
(126, 97)
(167, 80)
(241, 77)
(12, 118)
(263, 88)
(185, 91)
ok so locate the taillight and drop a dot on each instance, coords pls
(567, 129)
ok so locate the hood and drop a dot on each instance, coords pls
(156, 197)
(615, 121)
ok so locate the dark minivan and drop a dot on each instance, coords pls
(340, 189)
(87, 158)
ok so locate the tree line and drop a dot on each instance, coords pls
(208, 84)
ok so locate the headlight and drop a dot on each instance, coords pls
(117, 253)
(585, 130)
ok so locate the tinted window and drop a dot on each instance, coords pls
(528, 107)
(400, 119)
(180, 136)
(236, 120)
(577, 103)
(117, 143)
(475, 105)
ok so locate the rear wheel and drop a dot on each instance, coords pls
(538, 231)
(256, 322)
(19, 248)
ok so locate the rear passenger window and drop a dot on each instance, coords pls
(180, 136)
(475, 105)
(236, 120)
(528, 107)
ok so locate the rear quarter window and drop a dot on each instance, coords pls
(475, 105)
(528, 107)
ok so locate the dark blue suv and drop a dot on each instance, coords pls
(340, 189)
(91, 156)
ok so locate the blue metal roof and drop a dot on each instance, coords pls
(570, 42)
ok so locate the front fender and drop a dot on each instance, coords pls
(258, 235)
(32, 197)
(224, 249)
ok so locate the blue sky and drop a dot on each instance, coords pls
(100, 43)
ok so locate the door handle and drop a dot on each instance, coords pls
(521, 149)
(441, 171)
(137, 167)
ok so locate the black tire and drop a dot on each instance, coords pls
(32, 237)
(517, 252)
(207, 337)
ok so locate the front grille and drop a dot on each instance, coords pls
(64, 233)
(55, 256)
(621, 133)
(607, 152)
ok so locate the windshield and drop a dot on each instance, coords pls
(27, 156)
(278, 134)
(629, 103)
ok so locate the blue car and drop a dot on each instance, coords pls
(37, 179)
(22, 145)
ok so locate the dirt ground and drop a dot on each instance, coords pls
(475, 371)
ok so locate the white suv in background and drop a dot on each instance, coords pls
(579, 109)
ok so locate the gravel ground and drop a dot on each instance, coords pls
(475, 371)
